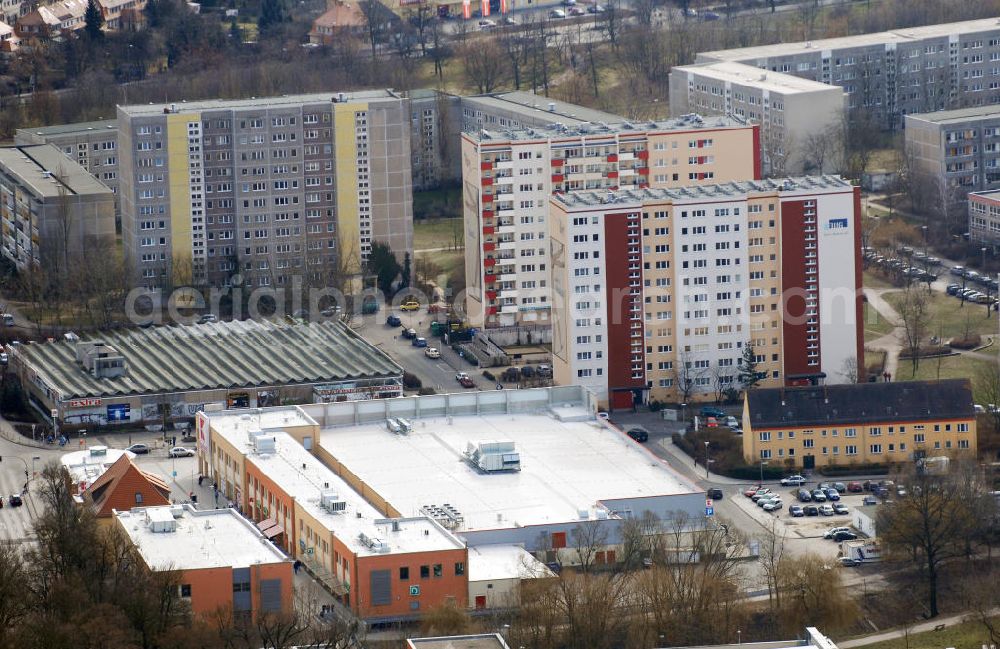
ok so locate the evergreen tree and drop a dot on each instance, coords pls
(93, 21)
(383, 264)
(747, 373)
(405, 281)
(272, 13)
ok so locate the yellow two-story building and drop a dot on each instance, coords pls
(868, 423)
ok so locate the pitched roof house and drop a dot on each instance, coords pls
(124, 486)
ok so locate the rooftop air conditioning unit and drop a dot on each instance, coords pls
(493, 456)
(331, 502)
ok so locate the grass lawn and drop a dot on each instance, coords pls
(966, 635)
(874, 360)
(872, 279)
(875, 325)
(948, 319)
(451, 266)
(948, 367)
(437, 233)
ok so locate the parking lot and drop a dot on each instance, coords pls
(808, 528)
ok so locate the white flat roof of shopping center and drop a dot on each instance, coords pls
(297, 472)
(214, 538)
(566, 467)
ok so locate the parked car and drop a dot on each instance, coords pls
(507, 20)
(411, 304)
(845, 535)
(715, 493)
(544, 371)
(854, 487)
(15, 500)
(765, 498)
(832, 494)
(830, 533)
(595, 9)
(811, 510)
(848, 562)
(751, 490)
(773, 505)
(792, 481)
(841, 509)
(467, 382)
(840, 487)
(803, 495)
(419, 342)
(393, 321)
(826, 510)
(139, 449)
(638, 434)
(712, 411)
(486, 24)
(760, 494)
(796, 511)
(900, 490)
(730, 422)
(461, 375)
(180, 451)
(870, 500)
(208, 318)
(577, 11)
(409, 333)
(819, 495)
(557, 13)
(432, 352)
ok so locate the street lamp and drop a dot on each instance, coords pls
(989, 306)
(684, 411)
(706, 459)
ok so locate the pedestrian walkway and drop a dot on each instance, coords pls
(890, 342)
(929, 625)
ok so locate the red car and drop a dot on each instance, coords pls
(751, 491)
(854, 487)
(466, 382)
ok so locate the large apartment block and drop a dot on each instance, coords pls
(893, 73)
(92, 145)
(509, 175)
(657, 291)
(795, 115)
(984, 217)
(957, 151)
(267, 189)
(51, 210)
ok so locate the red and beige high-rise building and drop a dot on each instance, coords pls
(657, 292)
(509, 174)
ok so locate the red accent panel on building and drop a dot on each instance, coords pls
(612, 157)
(642, 155)
(859, 299)
(489, 247)
(616, 245)
(491, 310)
(488, 229)
(612, 174)
(621, 400)
(489, 279)
(557, 178)
(793, 286)
(487, 182)
(756, 152)
(487, 198)
(489, 263)
(491, 295)
(487, 214)
(643, 171)
(485, 166)
(557, 162)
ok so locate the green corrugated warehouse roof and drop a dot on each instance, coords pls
(213, 356)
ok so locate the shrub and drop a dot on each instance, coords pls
(974, 340)
(853, 469)
(489, 376)
(656, 406)
(411, 381)
(425, 391)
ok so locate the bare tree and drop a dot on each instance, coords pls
(687, 375)
(486, 66)
(914, 318)
(771, 559)
(935, 521)
(588, 539)
(988, 385)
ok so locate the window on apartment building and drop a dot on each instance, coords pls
(186, 590)
(404, 573)
(138, 498)
(875, 449)
(425, 572)
(963, 428)
(438, 570)
(459, 568)
(765, 454)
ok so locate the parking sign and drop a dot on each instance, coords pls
(709, 511)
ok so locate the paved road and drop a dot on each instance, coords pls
(435, 373)
(929, 625)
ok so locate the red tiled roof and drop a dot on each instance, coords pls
(117, 487)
